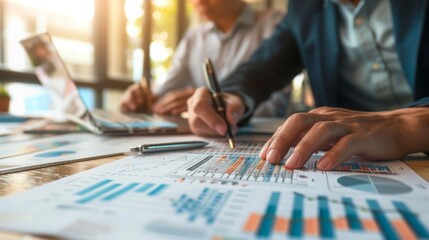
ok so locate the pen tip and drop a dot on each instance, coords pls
(135, 149)
(231, 143)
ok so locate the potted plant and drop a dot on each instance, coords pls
(4, 99)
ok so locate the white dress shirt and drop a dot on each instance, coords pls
(226, 50)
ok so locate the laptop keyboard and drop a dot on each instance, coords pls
(119, 117)
(134, 121)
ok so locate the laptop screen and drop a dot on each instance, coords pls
(53, 74)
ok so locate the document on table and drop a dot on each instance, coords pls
(67, 148)
(219, 193)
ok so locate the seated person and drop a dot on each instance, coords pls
(231, 35)
(371, 57)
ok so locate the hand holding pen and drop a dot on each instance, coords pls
(204, 120)
(219, 103)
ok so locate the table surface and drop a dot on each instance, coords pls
(20, 181)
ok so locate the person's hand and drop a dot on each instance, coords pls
(343, 133)
(133, 99)
(205, 120)
(174, 102)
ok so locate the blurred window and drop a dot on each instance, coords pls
(100, 41)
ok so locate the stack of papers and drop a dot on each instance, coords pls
(218, 193)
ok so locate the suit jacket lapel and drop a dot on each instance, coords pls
(408, 20)
(330, 52)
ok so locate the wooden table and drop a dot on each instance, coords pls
(17, 182)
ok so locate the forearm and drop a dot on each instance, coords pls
(414, 128)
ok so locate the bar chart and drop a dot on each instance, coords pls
(243, 167)
(32, 147)
(366, 168)
(206, 205)
(109, 190)
(324, 217)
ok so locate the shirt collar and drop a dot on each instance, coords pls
(247, 17)
(354, 9)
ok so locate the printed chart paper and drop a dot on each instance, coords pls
(71, 147)
(158, 196)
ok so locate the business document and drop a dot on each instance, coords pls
(218, 193)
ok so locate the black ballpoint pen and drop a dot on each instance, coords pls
(213, 86)
(171, 146)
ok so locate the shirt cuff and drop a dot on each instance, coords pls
(250, 108)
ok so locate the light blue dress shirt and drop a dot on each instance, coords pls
(369, 62)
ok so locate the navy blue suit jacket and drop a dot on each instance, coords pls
(308, 38)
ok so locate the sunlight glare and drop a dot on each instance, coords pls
(80, 10)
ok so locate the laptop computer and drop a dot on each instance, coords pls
(54, 76)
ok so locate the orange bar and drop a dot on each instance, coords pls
(341, 223)
(312, 226)
(235, 165)
(217, 238)
(370, 225)
(260, 165)
(281, 225)
(252, 223)
(403, 229)
(221, 159)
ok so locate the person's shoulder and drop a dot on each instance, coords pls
(268, 16)
(270, 13)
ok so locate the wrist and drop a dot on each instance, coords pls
(414, 132)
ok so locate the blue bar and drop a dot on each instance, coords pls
(221, 199)
(180, 207)
(325, 222)
(412, 220)
(93, 187)
(297, 221)
(144, 187)
(269, 217)
(99, 193)
(212, 207)
(120, 192)
(247, 163)
(197, 204)
(269, 173)
(383, 223)
(200, 163)
(351, 215)
(158, 190)
(179, 201)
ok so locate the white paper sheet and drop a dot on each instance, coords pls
(143, 197)
(71, 147)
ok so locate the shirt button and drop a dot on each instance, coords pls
(376, 66)
(358, 22)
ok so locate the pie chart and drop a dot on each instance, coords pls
(54, 154)
(374, 184)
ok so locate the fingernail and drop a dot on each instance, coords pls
(273, 156)
(293, 160)
(323, 163)
(220, 129)
(264, 149)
